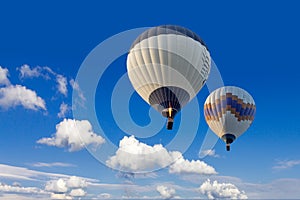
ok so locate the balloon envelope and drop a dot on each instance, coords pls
(167, 66)
(229, 111)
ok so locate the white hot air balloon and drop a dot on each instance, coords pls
(229, 111)
(167, 66)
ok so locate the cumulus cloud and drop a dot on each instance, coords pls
(183, 166)
(73, 185)
(281, 165)
(76, 182)
(17, 95)
(77, 192)
(62, 84)
(135, 156)
(4, 76)
(209, 152)
(63, 109)
(60, 196)
(57, 186)
(74, 134)
(165, 192)
(215, 190)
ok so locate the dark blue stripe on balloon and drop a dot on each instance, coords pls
(238, 107)
(246, 113)
(228, 100)
(242, 112)
(234, 104)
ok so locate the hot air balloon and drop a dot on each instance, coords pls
(229, 111)
(167, 66)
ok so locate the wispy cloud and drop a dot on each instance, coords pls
(104, 196)
(62, 84)
(27, 72)
(281, 165)
(63, 110)
(276, 189)
(6, 188)
(79, 96)
(22, 173)
(47, 73)
(55, 185)
(54, 164)
(4, 76)
(209, 152)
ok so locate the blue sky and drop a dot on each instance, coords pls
(254, 45)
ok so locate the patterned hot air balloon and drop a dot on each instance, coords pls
(167, 66)
(229, 111)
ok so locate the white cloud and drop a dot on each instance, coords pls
(135, 156)
(47, 73)
(62, 84)
(17, 95)
(281, 165)
(277, 189)
(27, 72)
(104, 196)
(54, 164)
(215, 190)
(57, 186)
(77, 192)
(165, 192)
(22, 173)
(4, 76)
(60, 196)
(73, 185)
(78, 92)
(22, 196)
(76, 182)
(182, 166)
(74, 85)
(63, 109)
(74, 134)
(209, 152)
(18, 189)
(49, 70)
